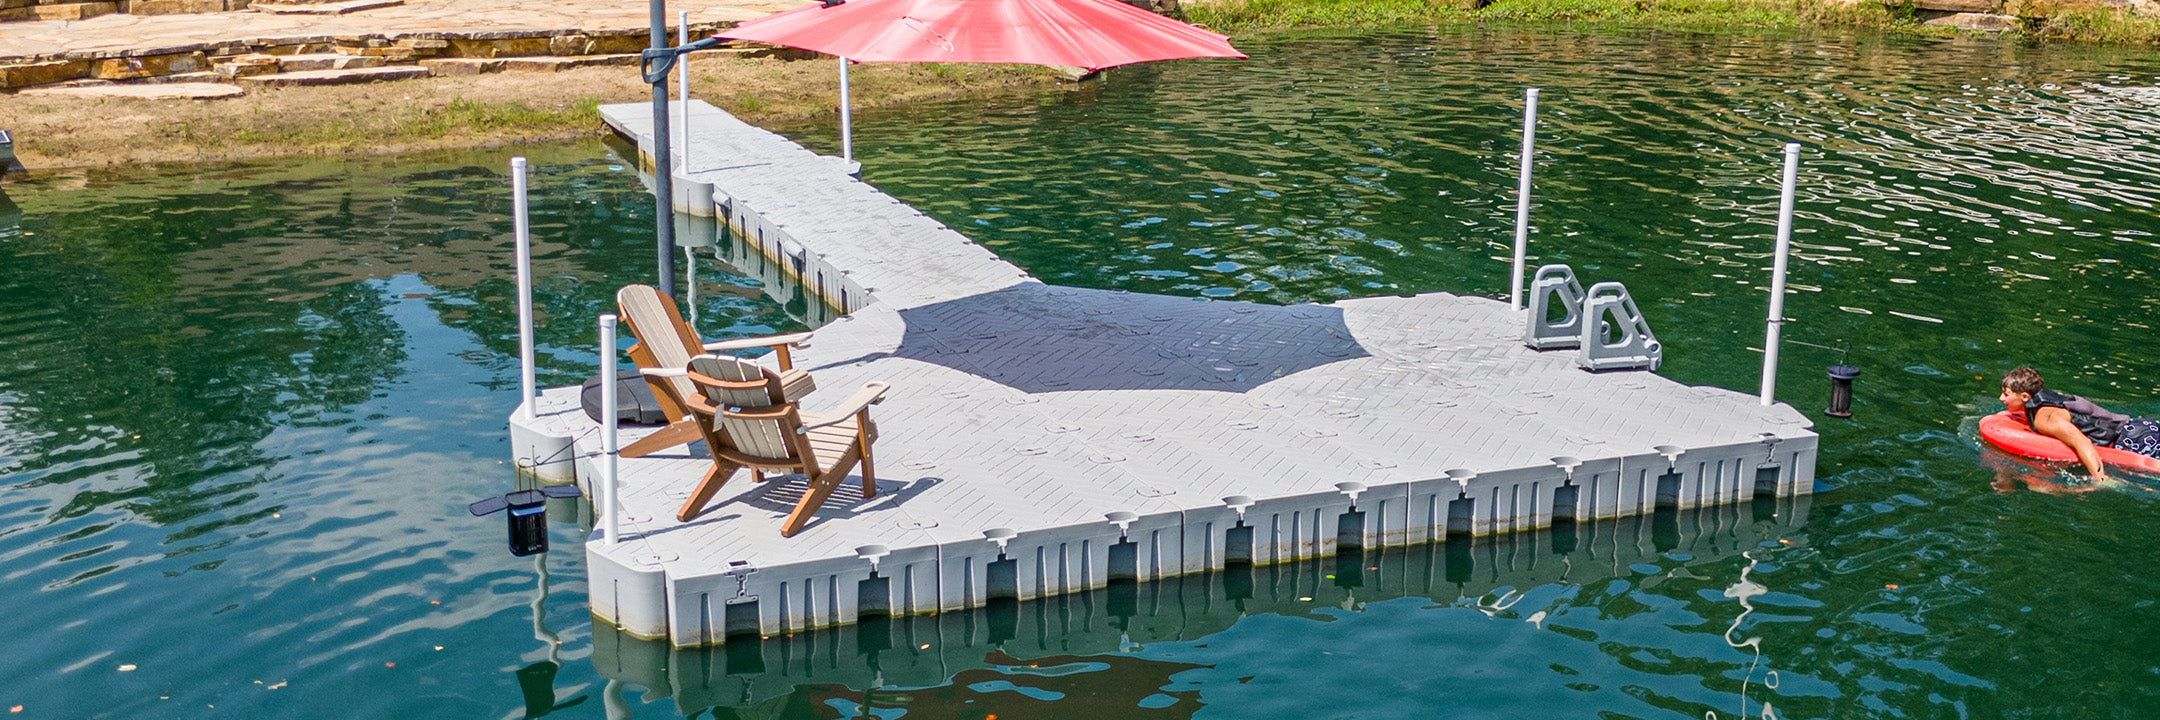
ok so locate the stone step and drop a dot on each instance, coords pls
(143, 91)
(557, 63)
(1979, 22)
(63, 11)
(1962, 6)
(240, 66)
(448, 67)
(338, 77)
(326, 8)
(453, 67)
(181, 7)
(326, 61)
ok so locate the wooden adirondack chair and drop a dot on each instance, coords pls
(747, 422)
(665, 342)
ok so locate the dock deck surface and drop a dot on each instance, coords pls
(1041, 409)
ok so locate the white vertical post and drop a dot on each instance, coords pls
(609, 494)
(847, 131)
(1522, 200)
(1777, 272)
(528, 390)
(682, 70)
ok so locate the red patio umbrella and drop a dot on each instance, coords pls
(1091, 34)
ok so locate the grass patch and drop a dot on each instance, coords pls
(459, 118)
(2063, 19)
(2093, 24)
(1229, 15)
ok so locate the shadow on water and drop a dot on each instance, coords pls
(1073, 646)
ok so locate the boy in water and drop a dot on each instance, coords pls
(2076, 421)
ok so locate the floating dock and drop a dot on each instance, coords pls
(1042, 440)
(1063, 643)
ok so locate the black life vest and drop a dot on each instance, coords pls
(2100, 425)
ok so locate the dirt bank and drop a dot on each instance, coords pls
(56, 131)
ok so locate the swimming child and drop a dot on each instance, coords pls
(2077, 422)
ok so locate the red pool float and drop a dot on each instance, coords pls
(2007, 432)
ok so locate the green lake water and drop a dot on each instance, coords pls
(243, 406)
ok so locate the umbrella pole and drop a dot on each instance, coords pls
(663, 160)
(847, 134)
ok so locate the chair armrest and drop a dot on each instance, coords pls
(801, 339)
(693, 401)
(761, 412)
(871, 393)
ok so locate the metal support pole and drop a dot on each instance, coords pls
(528, 387)
(682, 68)
(1522, 200)
(847, 123)
(609, 493)
(1777, 273)
(663, 161)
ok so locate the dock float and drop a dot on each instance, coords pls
(1057, 638)
(1040, 440)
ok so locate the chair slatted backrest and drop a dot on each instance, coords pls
(745, 384)
(660, 331)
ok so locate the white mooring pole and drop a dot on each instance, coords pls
(608, 493)
(1522, 201)
(847, 131)
(682, 70)
(528, 390)
(1777, 273)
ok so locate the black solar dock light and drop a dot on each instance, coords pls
(1841, 377)
(528, 516)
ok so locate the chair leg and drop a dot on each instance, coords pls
(869, 475)
(821, 487)
(714, 478)
(680, 432)
(864, 430)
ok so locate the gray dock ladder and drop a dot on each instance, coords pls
(1554, 285)
(1608, 311)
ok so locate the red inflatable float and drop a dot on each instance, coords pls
(2007, 432)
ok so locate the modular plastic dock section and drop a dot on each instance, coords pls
(1042, 440)
(1067, 639)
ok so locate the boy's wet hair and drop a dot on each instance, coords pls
(2025, 380)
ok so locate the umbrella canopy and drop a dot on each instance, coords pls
(1092, 34)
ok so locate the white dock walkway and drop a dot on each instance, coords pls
(1040, 410)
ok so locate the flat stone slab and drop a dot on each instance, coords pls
(129, 35)
(144, 91)
(1960, 6)
(329, 8)
(325, 61)
(1975, 21)
(559, 64)
(338, 77)
(454, 67)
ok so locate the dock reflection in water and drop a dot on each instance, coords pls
(1068, 648)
